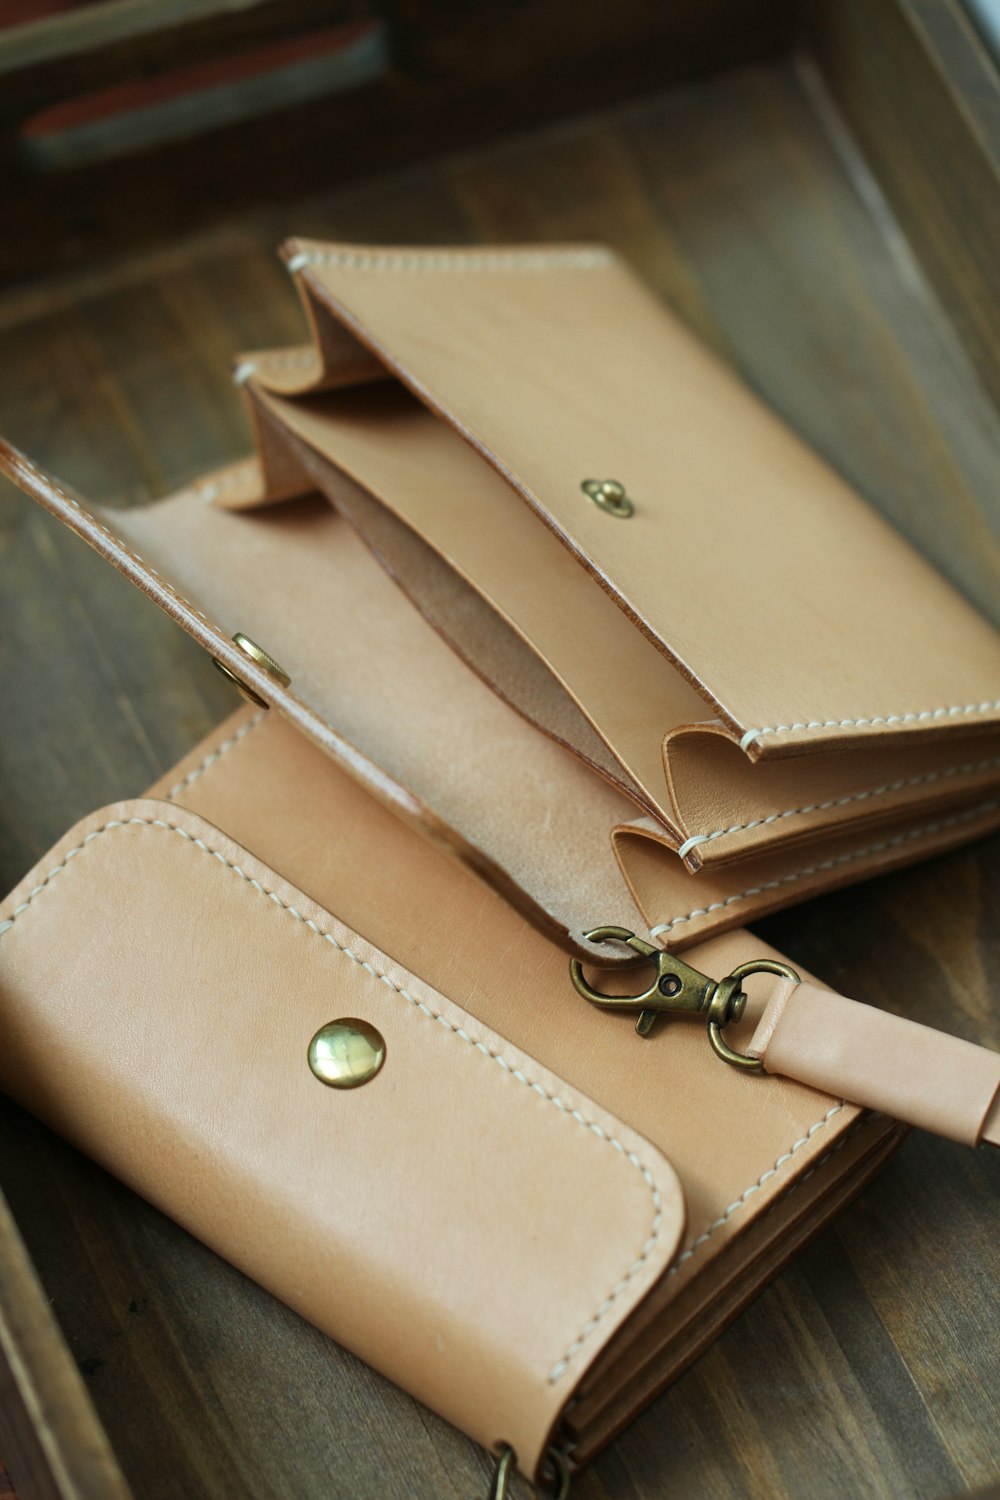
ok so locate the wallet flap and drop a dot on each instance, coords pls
(277, 794)
(407, 719)
(177, 980)
(773, 587)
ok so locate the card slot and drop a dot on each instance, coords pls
(677, 911)
(481, 637)
(386, 698)
(470, 551)
(728, 809)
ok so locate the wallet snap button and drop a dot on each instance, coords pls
(610, 495)
(347, 1053)
(262, 659)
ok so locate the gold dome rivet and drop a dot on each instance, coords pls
(610, 495)
(347, 1053)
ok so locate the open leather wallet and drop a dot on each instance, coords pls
(579, 659)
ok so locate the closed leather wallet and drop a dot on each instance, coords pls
(563, 631)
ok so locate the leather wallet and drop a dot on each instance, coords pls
(569, 642)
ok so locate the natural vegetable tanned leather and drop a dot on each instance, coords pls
(557, 364)
(699, 733)
(424, 1220)
(484, 795)
(380, 456)
(915, 1073)
(187, 995)
(800, 701)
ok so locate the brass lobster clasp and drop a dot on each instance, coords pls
(676, 989)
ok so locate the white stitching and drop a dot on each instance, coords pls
(633, 1160)
(299, 359)
(199, 770)
(292, 361)
(914, 718)
(827, 864)
(209, 489)
(452, 260)
(584, 260)
(754, 1187)
(49, 483)
(811, 807)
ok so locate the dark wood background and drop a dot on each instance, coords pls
(871, 1367)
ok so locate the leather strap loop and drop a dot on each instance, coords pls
(881, 1061)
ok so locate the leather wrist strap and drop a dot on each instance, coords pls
(861, 1055)
(881, 1061)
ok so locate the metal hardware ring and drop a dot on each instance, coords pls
(720, 1046)
(506, 1466)
(619, 935)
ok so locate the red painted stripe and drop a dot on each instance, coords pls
(137, 93)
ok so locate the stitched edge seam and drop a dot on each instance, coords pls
(49, 483)
(452, 260)
(755, 1187)
(560, 1367)
(299, 359)
(210, 489)
(827, 864)
(135, 557)
(799, 1181)
(955, 711)
(216, 754)
(812, 807)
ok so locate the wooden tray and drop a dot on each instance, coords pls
(845, 272)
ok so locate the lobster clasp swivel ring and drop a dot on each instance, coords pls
(676, 989)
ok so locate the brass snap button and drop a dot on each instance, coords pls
(347, 1053)
(610, 495)
(263, 659)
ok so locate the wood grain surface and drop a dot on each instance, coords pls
(48, 1429)
(439, 71)
(919, 87)
(871, 1367)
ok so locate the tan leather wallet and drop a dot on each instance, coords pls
(575, 653)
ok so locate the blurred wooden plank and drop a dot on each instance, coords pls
(48, 1429)
(95, 45)
(922, 93)
(455, 73)
(871, 1367)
